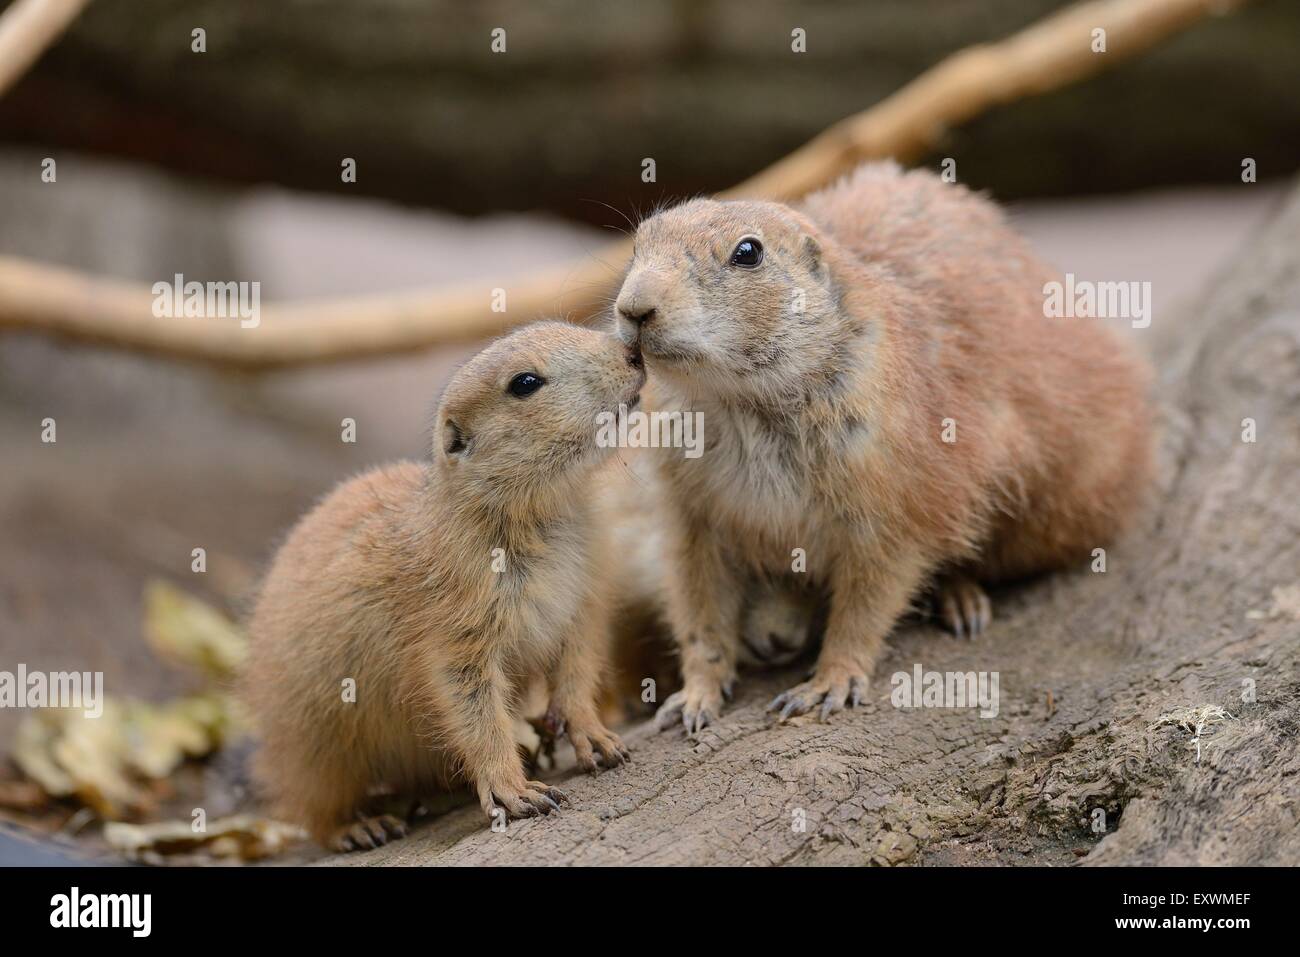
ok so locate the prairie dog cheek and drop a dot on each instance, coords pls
(721, 326)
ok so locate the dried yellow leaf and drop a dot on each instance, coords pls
(191, 632)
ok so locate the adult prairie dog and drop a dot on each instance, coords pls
(884, 404)
(404, 615)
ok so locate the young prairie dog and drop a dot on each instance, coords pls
(436, 590)
(833, 349)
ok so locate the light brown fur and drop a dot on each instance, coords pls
(777, 622)
(390, 582)
(823, 423)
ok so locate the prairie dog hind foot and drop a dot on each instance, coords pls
(962, 606)
(367, 833)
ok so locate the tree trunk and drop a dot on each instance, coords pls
(1086, 757)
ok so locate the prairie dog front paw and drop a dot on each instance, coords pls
(597, 747)
(698, 704)
(518, 797)
(831, 686)
(594, 745)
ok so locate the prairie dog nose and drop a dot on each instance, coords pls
(635, 312)
(639, 298)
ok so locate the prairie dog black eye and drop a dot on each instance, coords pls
(525, 384)
(748, 253)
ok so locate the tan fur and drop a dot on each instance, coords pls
(389, 581)
(823, 424)
(777, 621)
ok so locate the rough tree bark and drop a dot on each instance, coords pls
(1203, 598)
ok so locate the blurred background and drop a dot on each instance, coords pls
(226, 165)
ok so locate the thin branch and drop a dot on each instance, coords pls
(1051, 54)
(27, 29)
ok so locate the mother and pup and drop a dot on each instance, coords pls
(883, 398)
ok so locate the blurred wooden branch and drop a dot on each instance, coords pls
(1046, 56)
(27, 29)
(1051, 54)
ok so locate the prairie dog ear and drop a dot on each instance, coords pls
(454, 443)
(812, 252)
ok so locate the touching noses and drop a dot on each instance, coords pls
(639, 298)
